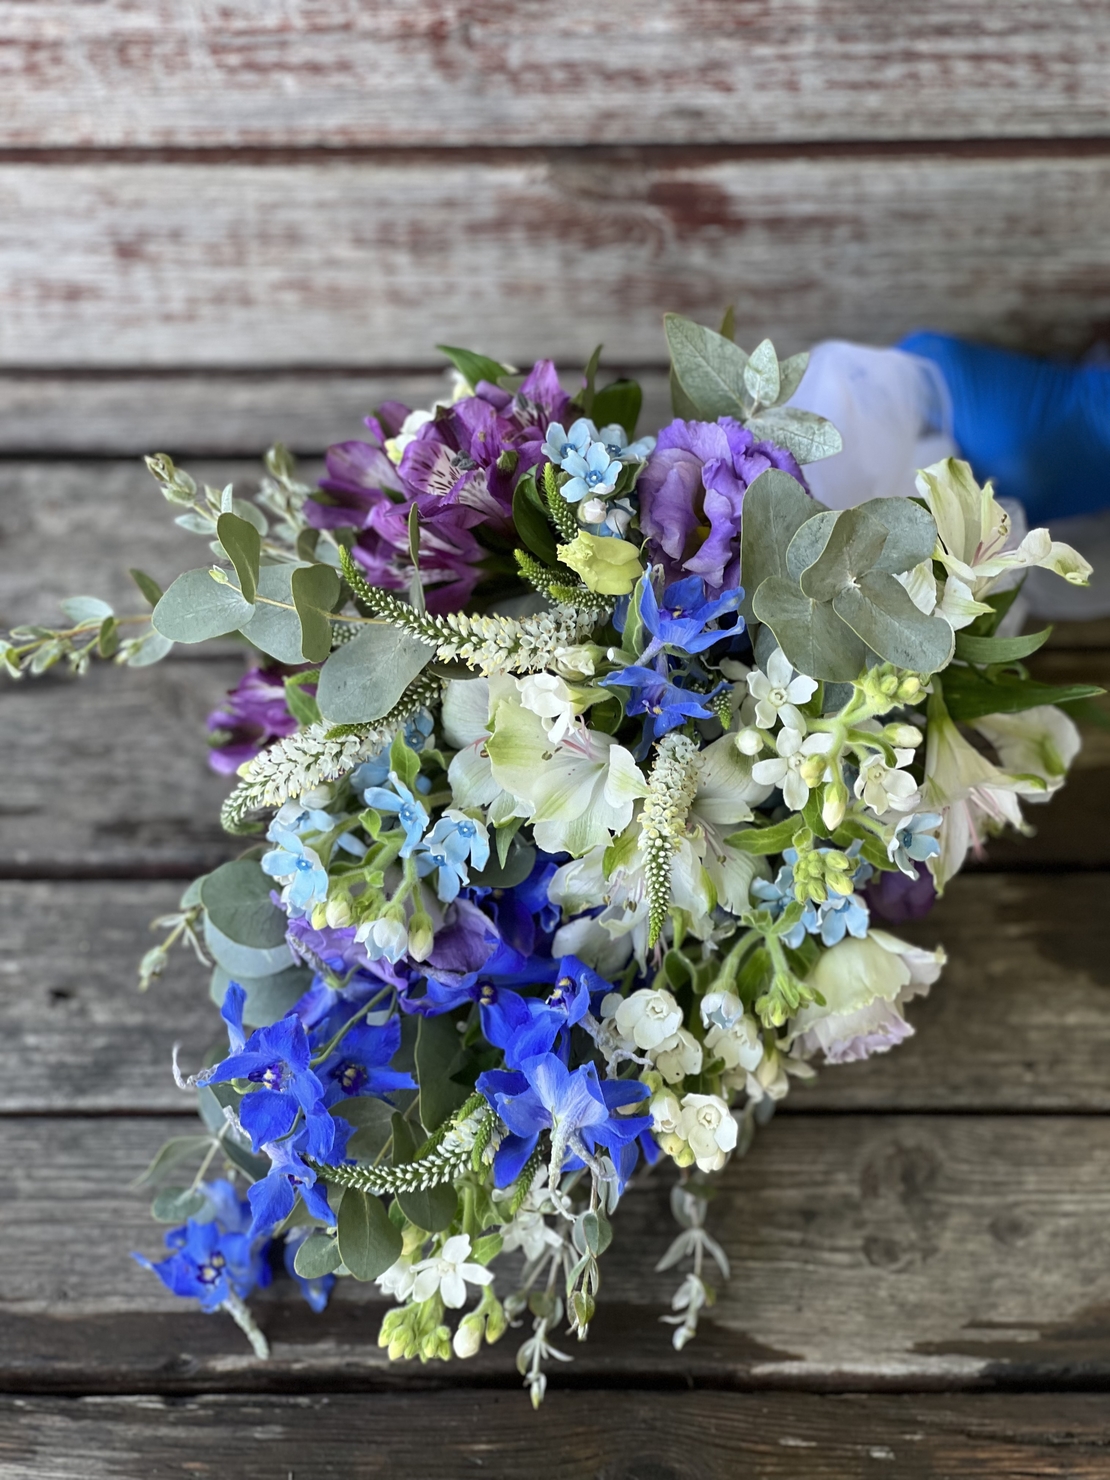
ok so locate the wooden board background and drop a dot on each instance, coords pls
(223, 225)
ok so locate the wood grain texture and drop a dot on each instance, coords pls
(902, 1251)
(226, 413)
(332, 72)
(348, 262)
(1020, 1019)
(620, 1435)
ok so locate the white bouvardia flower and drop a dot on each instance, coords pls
(707, 1127)
(886, 788)
(778, 691)
(448, 1273)
(647, 1018)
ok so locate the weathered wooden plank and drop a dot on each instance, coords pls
(615, 1435)
(436, 72)
(109, 773)
(356, 262)
(223, 413)
(903, 1251)
(1020, 1020)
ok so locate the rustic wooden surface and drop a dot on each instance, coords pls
(225, 225)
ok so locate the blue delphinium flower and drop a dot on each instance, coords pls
(912, 842)
(298, 867)
(682, 620)
(411, 816)
(560, 444)
(574, 1105)
(593, 472)
(360, 1065)
(667, 705)
(214, 1260)
(614, 438)
(275, 1196)
(276, 1059)
(523, 1027)
(315, 1291)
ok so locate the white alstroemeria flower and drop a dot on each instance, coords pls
(708, 1128)
(581, 791)
(865, 984)
(550, 697)
(972, 795)
(886, 788)
(974, 530)
(921, 586)
(678, 1056)
(1037, 742)
(647, 1018)
(726, 791)
(397, 1280)
(466, 707)
(778, 691)
(449, 1273)
(794, 765)
(957, 605)
(589, 940)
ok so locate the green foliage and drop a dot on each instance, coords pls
(268, 997)
(276, 629)
(530, 519)
(315, 591)
(175, 1204)
(368, 1242)
(438, 1048)
(970, 695)
(197, 607)
(303, 707)
(474, 367)
(619, 403)
(236, 897)
(242, 544)
(365, 678)
(588, 394)
(239, 960)
(517, 864)
(763, 841)
(430, 1208)
(983, 650)
(149, 587)
(319, 1254)
(372, 1120)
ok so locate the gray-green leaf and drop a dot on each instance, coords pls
(276, 629)
(315, 593)
(775, 508)
(854, 544)
(809, 632)
(239, 960)
(317, 1256)
(196, 608)
(368, 1241)
(363, 680)
(808, 436)
(243, 546)
(761, 374)
(709, 368)
(879, 610)
(237, 898)
(268, 997)
(175, 1204)
(790, 375)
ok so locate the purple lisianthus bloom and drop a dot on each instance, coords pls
(895, 897)
(253, 715)
(691, 494)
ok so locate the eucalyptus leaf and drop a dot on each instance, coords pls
(269, 998)
(152, 649)
(196, 607)
(809, 632)
(681, 403)
(317, 1256)
(911, 533)
(808, 436)
(474, 367)
(775, 508)
(150, 588)
(791, 372)
(237, 898)
(242, 545)
(363, 680)
(239, 960)
(808, 544)
(195, 523)
(854, 544)
(82, 609)
(368, 1241)
(761, 374)
(372, 1122)
(244, 509)
(879, 610)
(176, 1204)
(433, 1208)
(315, 592)
(276, 630)
(708, 367)
(171, 1154)
(517, 866)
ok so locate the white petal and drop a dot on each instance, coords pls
(795, 793)
(769, 773)
(779, 668)
(801, 689)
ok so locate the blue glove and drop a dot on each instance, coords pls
(1040, 428)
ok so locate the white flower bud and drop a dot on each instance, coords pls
(337, 913)
(749, 741)
(467, 1341)
(592, 511)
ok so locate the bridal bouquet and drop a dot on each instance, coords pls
(582, 766)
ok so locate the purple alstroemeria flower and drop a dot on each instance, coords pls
(666, 705)
(360, 1065)
(276, 1059)
(574, 1105)
(275, 1196)
(214, 1260)
(686, 612)
(253, 716)
(691, 492)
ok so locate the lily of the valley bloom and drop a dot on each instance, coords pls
(865, 984)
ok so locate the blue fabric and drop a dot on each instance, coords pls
(1040, 428)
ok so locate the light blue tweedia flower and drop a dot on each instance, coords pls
(591, 474)
(841, 915)
(560, 444)
(616, 443)
(375, 771)
(411, 816)
(912, 841)
(294, 817)
(455, 840)
(297, 866)
(777, 893)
